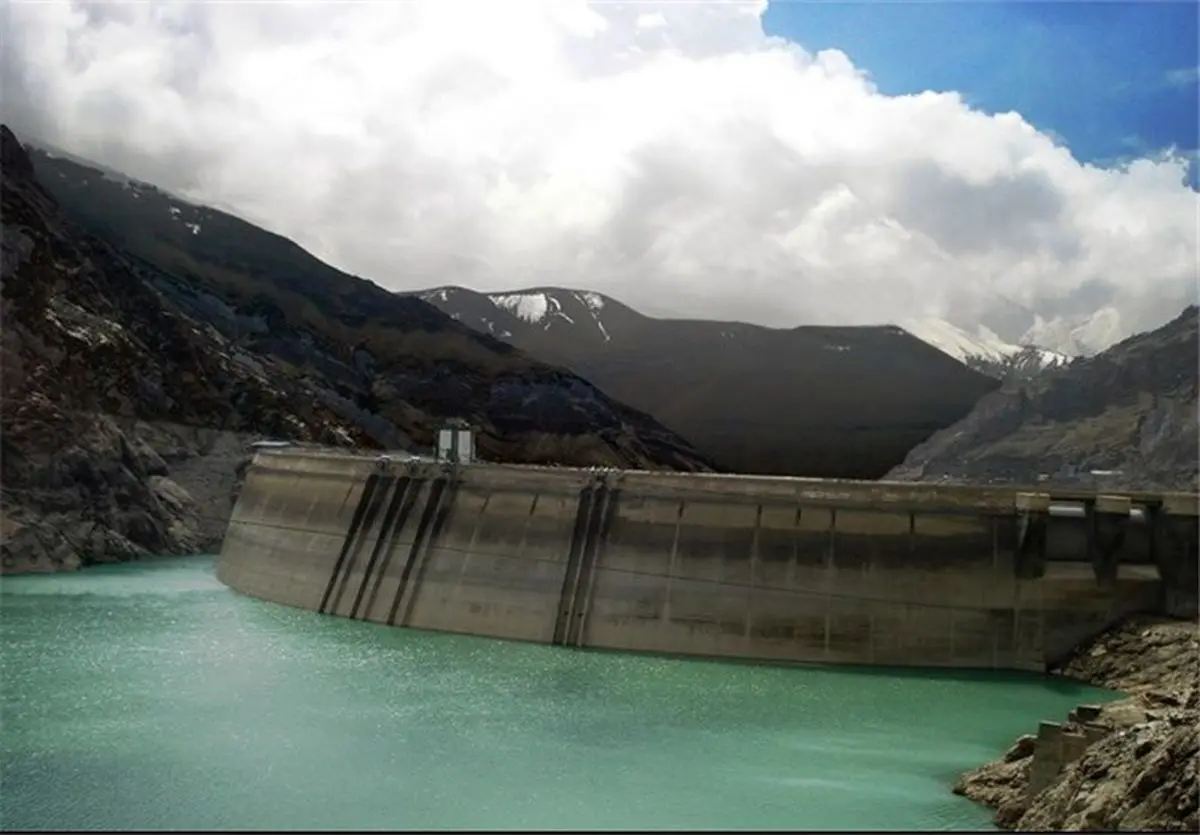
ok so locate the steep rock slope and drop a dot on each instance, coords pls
(817, 401)
(1127, 416)
(391, 366)
(129, 391)
(99, 378)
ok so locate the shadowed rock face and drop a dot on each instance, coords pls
(135, 369)
(1129, 412)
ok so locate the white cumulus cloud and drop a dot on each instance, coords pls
(671, 154)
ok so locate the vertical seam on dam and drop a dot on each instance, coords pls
(583, 515)
(480, 514)
(411, 494)
(1031, 545)
(381, 493)
(587, 559)
(444, 506)
(386, 532)
(672, 562)
(755, 571)
(602, 516)
(360, 510)
(436, 488)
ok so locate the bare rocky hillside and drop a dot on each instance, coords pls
(1125, 418)
(138, 360)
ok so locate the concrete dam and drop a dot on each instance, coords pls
(746, 567)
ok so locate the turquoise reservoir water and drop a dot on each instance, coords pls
(151, 697)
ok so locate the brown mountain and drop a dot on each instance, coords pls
(1126, 417)
(145, 340)
(843, 402)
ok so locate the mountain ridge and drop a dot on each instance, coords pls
(814, 400)
(543, 305)
(1015, 325)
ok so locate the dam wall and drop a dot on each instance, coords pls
(773, 569)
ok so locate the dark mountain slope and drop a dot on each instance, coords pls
(390, 365)
(97, 371)
(1129, 412)
(844, 402)
(128, 392)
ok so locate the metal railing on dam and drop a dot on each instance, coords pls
(767, 568)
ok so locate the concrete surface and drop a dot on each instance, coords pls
(779, 569)
(1055, 748)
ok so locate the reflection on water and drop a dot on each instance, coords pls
(152, 697)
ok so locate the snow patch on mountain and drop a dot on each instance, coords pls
(957, 342)
(557, 309)
(982, 346)
(1078, 335)
(181, 208)
(540, 307)
(593, 301)
(529, 307)
(979, 347)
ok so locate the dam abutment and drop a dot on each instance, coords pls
(774, 569)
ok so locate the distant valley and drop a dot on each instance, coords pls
(838, 402)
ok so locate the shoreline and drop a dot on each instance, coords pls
(1128, 764)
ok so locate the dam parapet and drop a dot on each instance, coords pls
(748, 567)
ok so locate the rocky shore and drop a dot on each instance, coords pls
(118, 490)
(1128, 765)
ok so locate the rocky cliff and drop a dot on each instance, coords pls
(130, 384)
(1125, 418)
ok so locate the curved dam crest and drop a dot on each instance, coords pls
(754, 568)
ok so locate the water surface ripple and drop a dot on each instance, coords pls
(149, 696)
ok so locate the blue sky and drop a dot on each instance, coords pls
(1111, 79)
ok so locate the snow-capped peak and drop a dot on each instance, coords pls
(982, 346)
(543, 309)
(1078, 335)
(957, 342)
